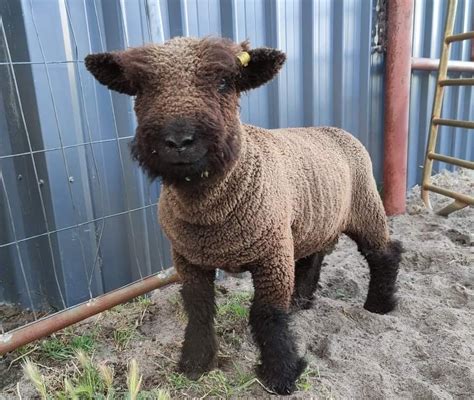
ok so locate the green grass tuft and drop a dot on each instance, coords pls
(304, 382)
(232, 318)
(123, 336)
(143, 301)
(234, 308)
(63, 346)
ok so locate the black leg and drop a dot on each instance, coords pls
(383, 264)
(199, 353)
(307, 271)
(280, 364)
(269, 319)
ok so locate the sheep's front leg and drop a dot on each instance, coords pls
(269, 319)
(199, 352)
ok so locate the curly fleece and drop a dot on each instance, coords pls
(291, 193)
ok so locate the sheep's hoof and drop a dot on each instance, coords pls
(281, 379)
(194, 371)
(381, 305)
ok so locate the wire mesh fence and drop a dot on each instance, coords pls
(78, 218)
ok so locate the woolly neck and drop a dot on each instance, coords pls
(214, 203)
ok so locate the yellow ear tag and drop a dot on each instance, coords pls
(244, 58)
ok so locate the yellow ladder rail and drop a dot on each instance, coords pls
(454, 122)
(457, 82)
(451, 160)
(459, 37)
(460, 200)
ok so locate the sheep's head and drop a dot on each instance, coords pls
(187, 92)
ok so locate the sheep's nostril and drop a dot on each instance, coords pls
(171, 143)
(179, 144)
(187, 141)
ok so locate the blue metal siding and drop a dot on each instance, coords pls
(77, 217)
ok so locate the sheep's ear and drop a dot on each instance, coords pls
(263, 65)
(118, 70)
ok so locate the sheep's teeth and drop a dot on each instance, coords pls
(153, 152)
(187, 179)
(206, 174)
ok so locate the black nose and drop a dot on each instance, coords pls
(179, 143)
(179, 134)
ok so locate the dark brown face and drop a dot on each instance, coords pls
(187, 94)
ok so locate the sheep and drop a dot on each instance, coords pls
(241, 198)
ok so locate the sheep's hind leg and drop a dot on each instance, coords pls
(269, 319)
(383, 264)
(307, 271)
(199, 352)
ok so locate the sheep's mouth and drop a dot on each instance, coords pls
(184, 163)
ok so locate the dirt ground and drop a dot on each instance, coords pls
(422, 350)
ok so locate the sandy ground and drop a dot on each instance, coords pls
(422, 350)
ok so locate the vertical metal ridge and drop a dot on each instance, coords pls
(175, 18)
(226, 12)
(338, 29)
(272, 41)
(365, 72)
(307, 46)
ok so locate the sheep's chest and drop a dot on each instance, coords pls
(229, 245)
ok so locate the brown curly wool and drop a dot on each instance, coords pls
(243, 198)
(291, 193)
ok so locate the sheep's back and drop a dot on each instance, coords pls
(319, 167)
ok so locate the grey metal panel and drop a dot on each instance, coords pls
(458, 103)
(81, 220)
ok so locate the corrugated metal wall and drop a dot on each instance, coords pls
(77, 218)
(458, 102)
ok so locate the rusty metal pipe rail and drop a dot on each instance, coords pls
(9, 341)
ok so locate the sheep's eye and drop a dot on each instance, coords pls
(223, 85)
